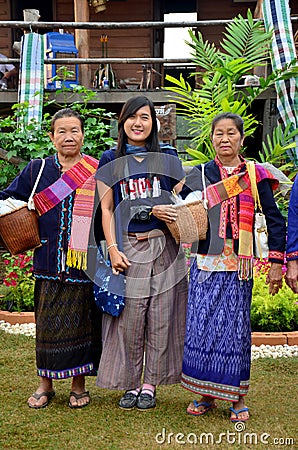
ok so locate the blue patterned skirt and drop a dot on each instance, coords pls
(217, 349)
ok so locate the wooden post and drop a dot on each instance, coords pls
(81, 14)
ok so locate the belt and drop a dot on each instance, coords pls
(148, 234)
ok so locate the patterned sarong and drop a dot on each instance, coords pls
(217, 349)
(68, 329)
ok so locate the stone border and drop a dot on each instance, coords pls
(281, 338)
(258, 338)
(15, 317)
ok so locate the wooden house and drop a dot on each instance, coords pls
(142, 42)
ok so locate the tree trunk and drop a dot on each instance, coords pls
(13, 160)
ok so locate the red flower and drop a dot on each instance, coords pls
(10, 282)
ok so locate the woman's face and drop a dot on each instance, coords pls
(227, 140)
(68, 136)
(138, 127)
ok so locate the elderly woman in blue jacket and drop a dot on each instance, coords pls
(67, 323)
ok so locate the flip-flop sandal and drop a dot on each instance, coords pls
(77, 397)
(48, 394)
(207, 406)
(237, 412)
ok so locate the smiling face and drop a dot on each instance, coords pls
(227, 141)
(138, 126)
(68, 137)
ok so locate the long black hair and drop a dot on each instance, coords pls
(129, 108)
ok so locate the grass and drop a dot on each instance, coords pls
(272, 400)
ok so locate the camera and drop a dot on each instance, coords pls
(140, 213)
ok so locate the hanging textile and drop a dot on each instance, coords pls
(31, 84)
(277, 16)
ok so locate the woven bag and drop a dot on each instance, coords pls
(19, 230)
(191, 224)
(19, 227)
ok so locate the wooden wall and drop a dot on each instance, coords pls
(227, 9)
(124, 43)
(220, 9)
(129, 43)
(132, 42)
(5, 33)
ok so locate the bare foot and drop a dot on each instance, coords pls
(79, 400)
(40, 401)
(79, 397)
(241, 416)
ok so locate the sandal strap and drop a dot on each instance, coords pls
(48, 394)
(197, 404)
(78, 396)
(235, 411)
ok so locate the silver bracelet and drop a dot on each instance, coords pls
(111, 245)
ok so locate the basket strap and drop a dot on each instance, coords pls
(30, 200)
(205, 201)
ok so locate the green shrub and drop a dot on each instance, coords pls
(28, 141)
(273, 313)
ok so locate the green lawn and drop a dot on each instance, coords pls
(273, 401)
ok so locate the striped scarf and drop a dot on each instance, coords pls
(79, 178)
(225, 192)
(31, 84)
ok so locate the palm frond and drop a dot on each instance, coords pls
(277, 148)
(203, 53)
(247, 39)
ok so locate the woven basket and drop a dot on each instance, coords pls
(19, 230)
(191, 224)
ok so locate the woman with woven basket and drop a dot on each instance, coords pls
(217, 350)
(135, 180)
(68, 325)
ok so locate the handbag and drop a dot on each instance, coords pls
(108, 289)
(261, 248)
(19, 230)
(191, 224)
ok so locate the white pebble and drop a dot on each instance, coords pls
(262, 351)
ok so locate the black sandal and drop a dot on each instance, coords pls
(77, 397)
(48, 394)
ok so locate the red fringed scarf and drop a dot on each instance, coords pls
(79, 178)
(229, 211)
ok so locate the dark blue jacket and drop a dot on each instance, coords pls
(213, 245)
(54, 226)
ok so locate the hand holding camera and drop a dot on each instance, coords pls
(140, 213)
